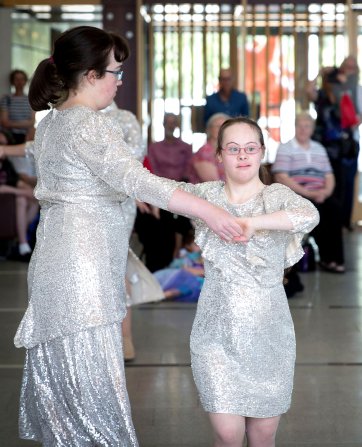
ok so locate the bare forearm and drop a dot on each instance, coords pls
(278, 220)
(18, 124)
(29, 180)
(185, 203)
(330, 184)
(16, 150)
(286, 180)
(217, 219)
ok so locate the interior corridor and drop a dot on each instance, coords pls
(327, 397)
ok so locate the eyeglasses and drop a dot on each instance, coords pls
(235, 149)
(118, 74)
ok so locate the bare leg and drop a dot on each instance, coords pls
(171, 293)
(33, 209)
(229, 429)
(128, 347)
(262, 432)
(127, 323)
(21, 218)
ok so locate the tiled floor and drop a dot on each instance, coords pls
(327, 399)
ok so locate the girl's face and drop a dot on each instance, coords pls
(244, 166)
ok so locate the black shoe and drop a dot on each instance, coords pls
(24, 258)
(291, 288)
(298, 287)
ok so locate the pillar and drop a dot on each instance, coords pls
(5, 49)
(121, 17)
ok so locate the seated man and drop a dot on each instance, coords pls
(303, 165)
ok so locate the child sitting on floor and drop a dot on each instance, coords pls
(183, 279)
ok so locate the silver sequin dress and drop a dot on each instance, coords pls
(242, 340)
(73, 391)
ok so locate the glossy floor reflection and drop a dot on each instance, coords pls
(327, 399)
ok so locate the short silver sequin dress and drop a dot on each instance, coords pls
(73, 390)
(242, 340)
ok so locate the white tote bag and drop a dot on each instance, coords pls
(144, 287)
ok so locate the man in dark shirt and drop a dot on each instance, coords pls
(227, 99)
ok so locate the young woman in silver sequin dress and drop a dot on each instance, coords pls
(242, 340)
(73, 391)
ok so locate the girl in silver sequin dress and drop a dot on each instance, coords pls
(73, 390)
(242, 340)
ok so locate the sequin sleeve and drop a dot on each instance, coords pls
(300, 211)
(100, 145)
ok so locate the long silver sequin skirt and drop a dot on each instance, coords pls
(74, 392)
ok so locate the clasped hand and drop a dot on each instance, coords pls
(231, 228)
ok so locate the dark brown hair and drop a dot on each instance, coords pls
(263, 174)
(76, 52)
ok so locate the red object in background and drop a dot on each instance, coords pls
(348, 112)
(147, 164)
(280, 79)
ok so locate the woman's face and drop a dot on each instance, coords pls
(243, 167)
(303, 130)
(107, 85)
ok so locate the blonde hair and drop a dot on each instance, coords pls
(212, 119)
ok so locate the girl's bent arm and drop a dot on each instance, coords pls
(279, 220)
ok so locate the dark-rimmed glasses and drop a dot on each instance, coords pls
(118, 74)
(235, 149)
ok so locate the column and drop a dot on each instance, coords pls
(121, 17)
(5, 49)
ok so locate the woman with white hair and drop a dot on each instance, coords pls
(204, 166)
(303, 165)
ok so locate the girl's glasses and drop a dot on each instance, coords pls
(235, 149)
(118, 74)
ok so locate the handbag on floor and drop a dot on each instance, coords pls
(144, 287)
